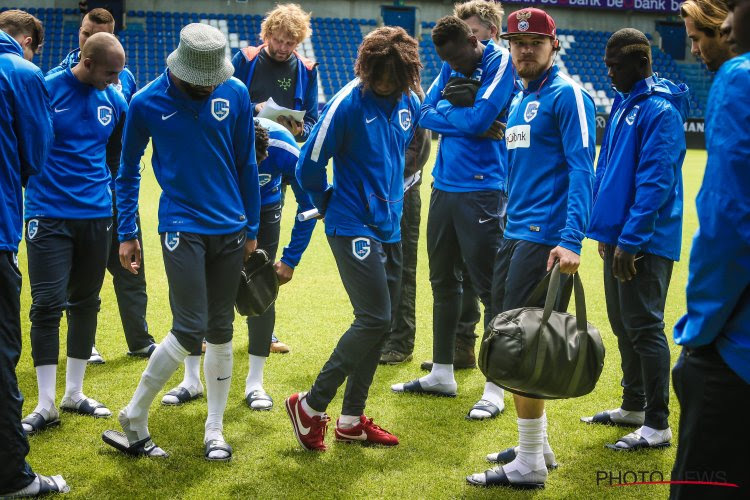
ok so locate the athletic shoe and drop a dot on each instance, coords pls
(394, 358)
(365, 432)
(309, 431)
(95, 358)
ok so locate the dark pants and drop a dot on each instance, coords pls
(130, 290)
(404, 328)
(636, 314)
(260, 328)
(462, 228)
(713, 437)
(15, 472)
(519, 267)
(67, 261)
(371, 274)
(203, 273)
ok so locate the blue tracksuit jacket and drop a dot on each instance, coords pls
(305, 90)
(718, 289)
(25, 134)
(280, 165)
(551, 138)
(203, 158)
(367, 146)
(638, 187)
(466, 162)
(75, 183)
(127, 85)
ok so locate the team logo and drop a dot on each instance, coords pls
(219, 108)
(361, 248)
(104, 114)
(404, 119)
(32, 228)
(264, 179)
(171, 240)
(531, 110)
(630, 119)
(523, 20)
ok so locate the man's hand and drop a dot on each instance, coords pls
(569, 260)
(293, 126)
(284, 272)
(623, 265)
(250, 246)
(496, 131)
(130, 255)
(602, 248)
(259, 106)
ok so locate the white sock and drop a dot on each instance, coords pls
(655, 436)
(254, 380)
(440, 374)
(546, 448)
(530, 456)
(46, 381)
(165, 360)
(74, 373)
(309, 410)
(627, 416)
(492, 394)
(192, 378)
(348, 421)
(217, 368)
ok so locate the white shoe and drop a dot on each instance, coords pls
(96, 358)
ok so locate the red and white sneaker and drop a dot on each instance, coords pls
(365, 432)
(309, 431)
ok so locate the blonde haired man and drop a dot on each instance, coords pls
(484, 18)
(703, 20)
(276, 70)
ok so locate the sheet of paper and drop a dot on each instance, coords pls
(273, 111)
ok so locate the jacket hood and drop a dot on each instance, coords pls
(677, 94)
(71, 59)
(8, 45)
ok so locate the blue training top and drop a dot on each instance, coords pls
(551, 138)
(466, 162)
(718, 289)
(280, 165)
(203, 158)
(367, 144)
(75, 181)
(25, 135)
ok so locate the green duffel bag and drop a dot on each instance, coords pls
(541, 353)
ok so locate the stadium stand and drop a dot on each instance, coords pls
(151, 36)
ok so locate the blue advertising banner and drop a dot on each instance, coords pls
(654, 6)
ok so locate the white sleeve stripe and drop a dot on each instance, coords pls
(277, 143)
(498, 75)
(578, 91)
(329, 116)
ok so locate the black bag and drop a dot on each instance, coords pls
(259, 285)
(540, 353)
(461, 91)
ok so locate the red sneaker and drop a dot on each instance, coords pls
(365, 432)
(310, 431)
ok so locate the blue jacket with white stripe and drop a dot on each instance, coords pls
(466, 162)
(279, 166)
(718, 298)
(203, 158)
(25, 134)
(367, 145)
(638, 187)
(551, 138)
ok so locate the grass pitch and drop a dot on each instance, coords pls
(438, 446)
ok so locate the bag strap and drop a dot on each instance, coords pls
(582, 328)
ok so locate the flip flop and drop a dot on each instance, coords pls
(635, 442)
(143, 354)
(38, 423)
(604, 418)
(183, 396)
(143, 448)
(485, 406)
(497, 477)
(51, 484)
(85, 406)
(256, 397)
(218, 445)
(509, 454)
(414, 387)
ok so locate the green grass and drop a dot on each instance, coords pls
(438, 446)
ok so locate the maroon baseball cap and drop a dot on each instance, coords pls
(530, 22)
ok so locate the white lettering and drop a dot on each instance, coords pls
(518, 136)
(691, 126)
(653, 5)
(615, 3)
(586, 3)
